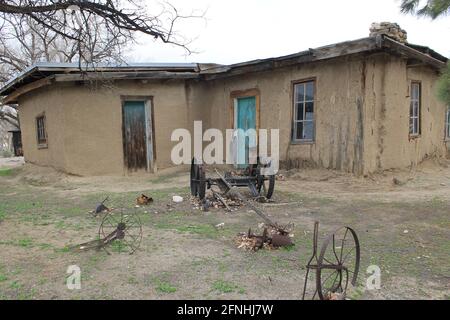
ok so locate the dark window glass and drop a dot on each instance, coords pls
(303, 121)
(41, 133)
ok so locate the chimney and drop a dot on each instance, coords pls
(392, 30)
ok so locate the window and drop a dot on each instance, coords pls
(414, 111)
(303, 126)
(41, 133)
(447, 124)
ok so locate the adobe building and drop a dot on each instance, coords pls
(359, 106)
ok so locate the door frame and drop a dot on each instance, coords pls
(149, 126)
(235, 95)
(248, 93)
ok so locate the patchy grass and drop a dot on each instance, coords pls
(165, 287)
(6, 172)
(226, 287)
(193, 260)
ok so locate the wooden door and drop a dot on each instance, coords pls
(135, 142)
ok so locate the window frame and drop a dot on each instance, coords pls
(417, 133)
(294, 121)
(40, 143)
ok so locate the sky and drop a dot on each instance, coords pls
(241, 30)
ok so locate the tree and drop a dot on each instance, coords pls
(84, 31)
(429, 8)
(80, 20)
(24, 42)
(444, 86)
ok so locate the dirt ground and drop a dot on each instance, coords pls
(403, 227)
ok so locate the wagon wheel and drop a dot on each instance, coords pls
(122, 231)
(338, 263)
(198, 179)
(201, 182)
(193, 178)
(266, 185)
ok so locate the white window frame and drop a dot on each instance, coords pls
(304, 101)
(415, 131)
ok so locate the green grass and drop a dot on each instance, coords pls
(225, 286)
(25, 242)
(165, 287)
(3, 277)
(6, 172)
(204, 230)
(118, 246)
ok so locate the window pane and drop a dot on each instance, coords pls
(299, 114)
(416, 125)
(411, 126)
(414, 91)
(299, 92)
(309, 91)
(308, 130)
(416, 109)
(309, 111)
(299, 132)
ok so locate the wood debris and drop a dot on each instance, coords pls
(216, 201)
(270, 239)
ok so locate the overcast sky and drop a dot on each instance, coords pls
(241, 30)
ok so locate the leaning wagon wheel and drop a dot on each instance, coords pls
(193, 178)
(198, 179)
(124, 231)
(266, 185)
(201, 182)
(338, 263)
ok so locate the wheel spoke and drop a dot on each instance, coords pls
(334, 248)
(342, 244)
(348, 253)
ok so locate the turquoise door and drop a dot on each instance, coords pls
(245, 119)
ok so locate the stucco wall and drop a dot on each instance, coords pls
(388, 143)
(46, 100)
(338, 142)
(84, 124)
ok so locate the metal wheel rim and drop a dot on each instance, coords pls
(133, 230)
(345, 268)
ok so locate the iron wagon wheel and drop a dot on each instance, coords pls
(123, 231)
(201, 178)
(338, 263)
(266, 185)
(193, 178)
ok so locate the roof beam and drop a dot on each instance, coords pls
(12, 98)
(99, 76)
(406, 51)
